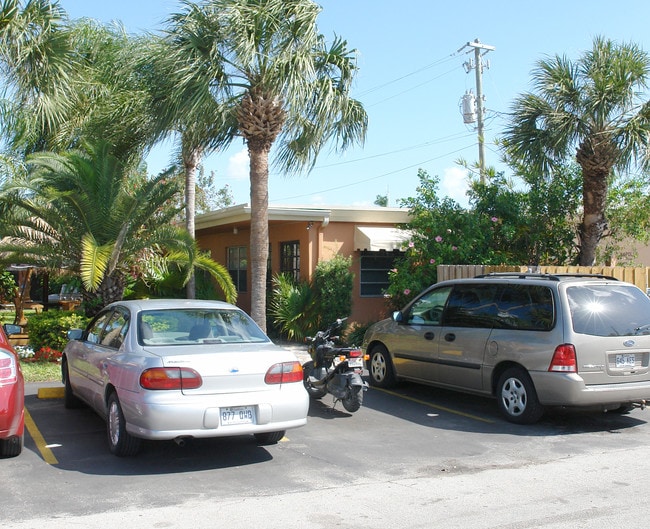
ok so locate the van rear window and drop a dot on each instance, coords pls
(609, 310)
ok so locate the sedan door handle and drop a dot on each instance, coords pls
(450, 337)
(429, 335)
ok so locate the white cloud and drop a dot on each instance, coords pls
(454, 184)
(238, 166)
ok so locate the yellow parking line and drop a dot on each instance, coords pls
(441, 408)
(47, 454)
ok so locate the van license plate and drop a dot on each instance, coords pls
(625, 360)
(238, 415)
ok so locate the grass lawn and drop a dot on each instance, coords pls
(41, 371)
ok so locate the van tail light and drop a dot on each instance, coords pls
(170, 378)
(284, 373)
(564, 359)
(8, 369)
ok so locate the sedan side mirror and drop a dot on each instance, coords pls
(12, 329)
(398, 316)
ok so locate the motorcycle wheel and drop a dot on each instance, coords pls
(314, 392)
(354, 398)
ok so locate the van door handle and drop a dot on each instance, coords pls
(450, 337)
(429, 335)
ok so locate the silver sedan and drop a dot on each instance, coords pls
(177, 369)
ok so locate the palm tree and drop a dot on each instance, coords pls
(86, 213)
(187, 110)
(285, 87)
(38, 70)
(595, 107)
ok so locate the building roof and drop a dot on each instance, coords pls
(325, 214)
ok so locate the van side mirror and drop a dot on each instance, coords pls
(75, 334)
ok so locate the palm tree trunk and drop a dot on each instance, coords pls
(259, 241)
(191, 161)
(594, 199)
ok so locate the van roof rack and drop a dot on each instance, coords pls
(550, 277)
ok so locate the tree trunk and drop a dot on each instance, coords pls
(259, 241)
(111, 289)
(191, 161)
(594, 223)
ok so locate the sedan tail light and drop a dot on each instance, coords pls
(8, 371)
(284, 373)
(170, 378)
(564, 359)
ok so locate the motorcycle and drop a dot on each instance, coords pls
(334, 370)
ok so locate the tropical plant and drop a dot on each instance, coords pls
(332, 285)
(293, 308)
(593, 107)
(86, 212)
(282, 86)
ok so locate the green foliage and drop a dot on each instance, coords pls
(354, 335)
(48, 329)
(503, 225)
(8, 287)
(332, 286)
(293, 307)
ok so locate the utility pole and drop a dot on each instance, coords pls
(480, 49)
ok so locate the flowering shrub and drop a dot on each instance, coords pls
(43, 355)
(501, 226)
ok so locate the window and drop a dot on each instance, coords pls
(115, 330)
(471, 305)
(290, 259)
(238, 266)
(427, 310)
(527, 307)
(374, 268)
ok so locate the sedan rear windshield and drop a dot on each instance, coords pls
(197, 326)
(609, 310)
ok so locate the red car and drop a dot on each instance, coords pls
(12, 396)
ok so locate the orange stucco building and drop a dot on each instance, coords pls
(301, 237)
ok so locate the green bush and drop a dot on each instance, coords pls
(8, 287)
(292, 307)
(332, 286)
(49, 329)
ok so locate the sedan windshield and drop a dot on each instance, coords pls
(197, 326)
(609, 310)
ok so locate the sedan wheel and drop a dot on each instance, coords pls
(517, 397)
(120, 442)
(12, 446)
(269, 438)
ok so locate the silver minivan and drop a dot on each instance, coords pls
(530, 340)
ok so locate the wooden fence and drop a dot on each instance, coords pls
(636, 275)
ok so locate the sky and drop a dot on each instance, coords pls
(411, 80)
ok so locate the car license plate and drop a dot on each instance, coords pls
(237, 415)
(625, 360)
(355, 362)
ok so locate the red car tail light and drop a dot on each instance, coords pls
(8, 372)
(284, 373)
(170, 378)
(564, 359)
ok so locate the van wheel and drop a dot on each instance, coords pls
(382, 373)
(517, 397)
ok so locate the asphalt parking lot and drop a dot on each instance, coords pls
(406, 455)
